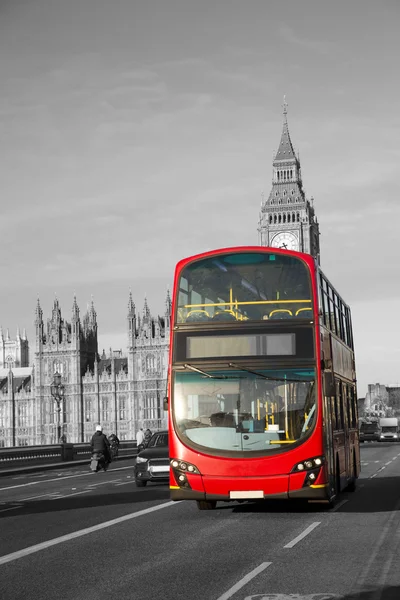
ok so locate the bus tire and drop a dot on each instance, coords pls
(206, 504)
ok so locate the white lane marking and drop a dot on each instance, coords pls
(11, 487)
(302, 535)
(34, 497)
(244, 581)
(103, 482)
(388, 463)
(359, 583)
(11, 508)
(126, 483)
(339, 505)
(75, 534)
(69, 495)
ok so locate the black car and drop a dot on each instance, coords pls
(370, 432)
(152, 463)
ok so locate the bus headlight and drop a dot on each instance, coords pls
(182, 465)
(181, 468)
(308, 464)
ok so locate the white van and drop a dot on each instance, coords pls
(389, 429)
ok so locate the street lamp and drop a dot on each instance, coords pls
(57, 391)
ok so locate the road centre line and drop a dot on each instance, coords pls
(303, 535)
(76, 534)
(11, 487)
(235, 588)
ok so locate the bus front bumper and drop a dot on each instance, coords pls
(227, 489)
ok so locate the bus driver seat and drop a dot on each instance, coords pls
(222, 419)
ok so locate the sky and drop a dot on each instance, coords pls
(135, 133)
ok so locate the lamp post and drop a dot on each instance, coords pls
(57, 391)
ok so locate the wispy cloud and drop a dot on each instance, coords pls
(291, 36)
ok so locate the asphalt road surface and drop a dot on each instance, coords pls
(74, 535)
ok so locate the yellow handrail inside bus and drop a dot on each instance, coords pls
(246, 303)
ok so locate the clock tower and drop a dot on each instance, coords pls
(287, 217)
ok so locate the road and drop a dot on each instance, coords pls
(74, 535)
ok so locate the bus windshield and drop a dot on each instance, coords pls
(244, 410)
(244, 286)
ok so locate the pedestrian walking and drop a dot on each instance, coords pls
(139, 437)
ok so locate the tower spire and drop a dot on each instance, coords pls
(131, 304)
(285, 107)
(285, 150)
(287, 218)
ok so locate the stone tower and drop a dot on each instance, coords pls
(13, 353)
(70, 349)
(287, 218)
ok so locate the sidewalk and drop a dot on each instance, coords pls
(55, 465)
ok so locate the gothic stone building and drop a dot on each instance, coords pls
(126, 391)
(287, 218)
(123, 392)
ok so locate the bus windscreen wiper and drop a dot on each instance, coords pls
(236, 366)
(204, 373)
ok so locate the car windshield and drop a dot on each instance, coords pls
(369, 427)
(244, 411)
(158, 439)
(244, 286)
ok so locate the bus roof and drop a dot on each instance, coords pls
(310, 260)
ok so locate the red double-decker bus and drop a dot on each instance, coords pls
(262, 384)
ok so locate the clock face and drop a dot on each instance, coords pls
(285, 240)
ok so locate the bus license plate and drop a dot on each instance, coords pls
(246, 495)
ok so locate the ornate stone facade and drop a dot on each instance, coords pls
(13, 353)
(287, 218)
(123, 392)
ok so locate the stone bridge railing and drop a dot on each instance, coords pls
(22, 456)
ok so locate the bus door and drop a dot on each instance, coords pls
(329, 425)
(342, 435)
(347, 424)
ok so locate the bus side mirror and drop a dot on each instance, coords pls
(328, 383)
(166, 403)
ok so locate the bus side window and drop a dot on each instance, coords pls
(339, 406)
(346, 405)
(332, 402)
(354, 406)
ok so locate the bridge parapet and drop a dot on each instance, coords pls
(21, 456)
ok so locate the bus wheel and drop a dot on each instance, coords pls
(206, 504)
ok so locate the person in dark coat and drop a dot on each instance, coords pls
(147, 437)
(100, 443)
(114, 444)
